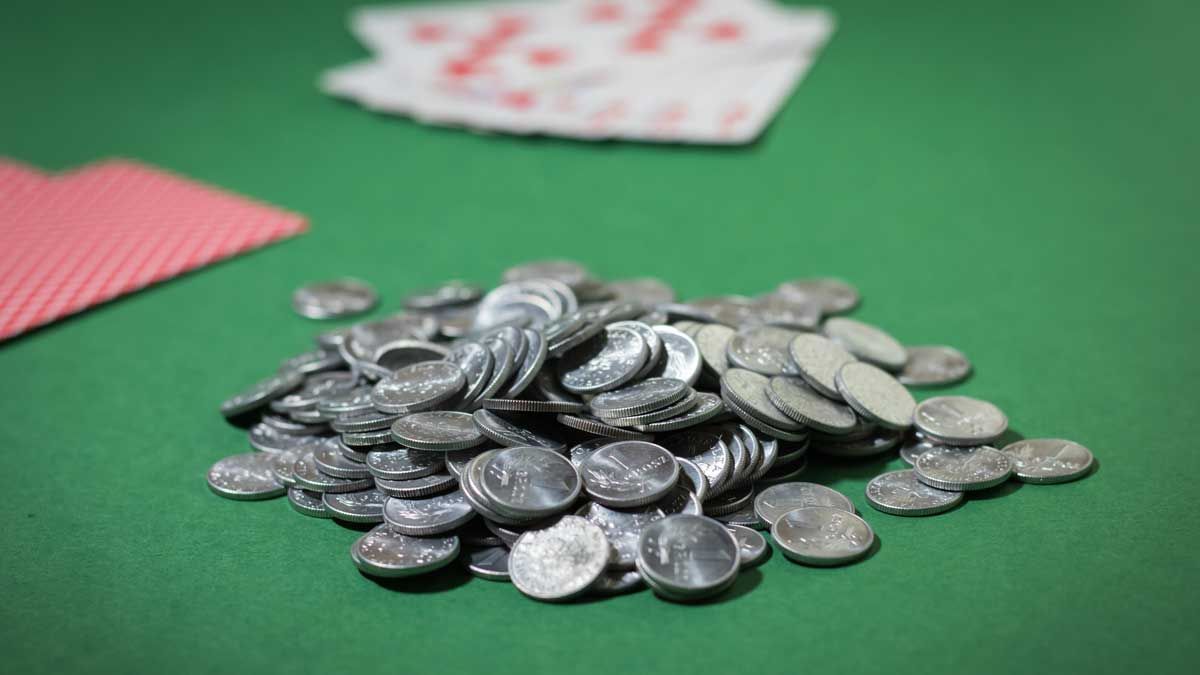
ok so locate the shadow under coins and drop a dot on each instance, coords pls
(445, 579)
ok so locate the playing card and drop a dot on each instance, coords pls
(86, 236)
(712, 71)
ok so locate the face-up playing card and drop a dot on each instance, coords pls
(83, 237)
(711, 71)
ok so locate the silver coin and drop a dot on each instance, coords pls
(456, 462)
(531, 406)
(420, 386)
(616, 582)
(281, 465)
(437, 430)
(364, 506)
(913, 447)
(290, 427)
(471, 481)
(818, 359)
(597, 427)
(737, 452)
(415, 488)
(753, 449)
(674, 410)
(605, 363)
(762, 349)
(900, 493)
(529, 482)
(799, 401)
(398, 354)
(698, 482)
(508, 434)
(310, 477)
(530, 366)
(682, 361)
(313, 362)
(403, 464)
(729, 501)
(752, 546)
(963, 469)
(363, 420)
(1048, 460)
(867, 342)
(879, 441)
(559, 562)
(934, 366)
(776, 309)
(332, 462)
(654, 345)
(707, 407)
(337, 403)
(636, 399)
(626, 474)
(475, 361)
(449, 294)
(685, 557)
(307, 503)
(646, 290)
(245, 476)
(366, 439)
(489, 563)
(622, 527)
(822, 536)
(579, 453)
(833, 296)
(747, 391)
(876, 395)
(778, 499)
(713, 342)
(384, 552)
(504, 365)
(959, 420)
(706, 450)
(567, 272)
(367, 336)
(770, 450)
(261, 393)
(266, 438)
(745, 516)
(427, 516)
(329, 299)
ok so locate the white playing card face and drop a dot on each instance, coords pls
(710, 71)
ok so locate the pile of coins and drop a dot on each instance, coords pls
(575, 436)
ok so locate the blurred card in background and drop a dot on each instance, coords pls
(692, 71)
(79, 238)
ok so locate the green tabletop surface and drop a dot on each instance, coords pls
(1018, 180)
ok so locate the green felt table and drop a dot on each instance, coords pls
(1015, 179)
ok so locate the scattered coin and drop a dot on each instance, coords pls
(331, 299)
(687, 558)
(867, 343)
(901, 494)
(762, 349)
(934, 366)
(1048, 460)
(772, 503)
(364, 506)
(559, 562)
(959, 420)
(529, 482)
(963, 469)
(876, 395)
(437, 430)
(489, 563)
(626, 474)
(245, 476)
(636, 399)
(307, 503)
(509, 434)
(818, 359)
(427, 516)
(420, 386)
(604, 363)
(799, 401)
(384, 552)
(833, 296)
(682, 361)
(261, 393)
(822, 536)
(752, 546)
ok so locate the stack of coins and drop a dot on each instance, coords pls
(576, 436)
